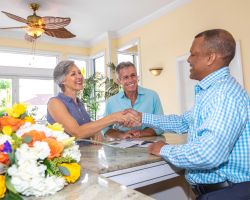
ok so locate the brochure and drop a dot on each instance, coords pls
(130, 143)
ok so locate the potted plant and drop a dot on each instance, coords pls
(96, 88)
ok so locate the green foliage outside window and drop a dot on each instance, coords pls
(5, 93)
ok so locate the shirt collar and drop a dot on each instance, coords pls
(140, 90)
(213, 77)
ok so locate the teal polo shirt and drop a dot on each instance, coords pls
(147, 101)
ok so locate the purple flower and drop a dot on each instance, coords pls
(7, 147)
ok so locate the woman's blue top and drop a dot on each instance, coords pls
(77, 110)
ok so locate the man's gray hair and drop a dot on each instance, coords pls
(61, 70)
(123, 65)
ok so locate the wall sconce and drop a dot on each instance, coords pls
(156, 71)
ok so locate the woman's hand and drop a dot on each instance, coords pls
(127, 118)
(97, 138)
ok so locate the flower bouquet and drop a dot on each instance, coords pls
(35, 159)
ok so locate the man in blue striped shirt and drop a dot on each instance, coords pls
(217, 154)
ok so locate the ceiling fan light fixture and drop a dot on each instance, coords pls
(34, 32)
(37, 25)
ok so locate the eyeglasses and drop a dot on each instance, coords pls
(125, 78)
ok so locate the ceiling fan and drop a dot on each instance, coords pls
(36, 25)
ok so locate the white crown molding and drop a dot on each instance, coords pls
(155, 15)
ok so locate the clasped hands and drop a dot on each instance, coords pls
(129, 118)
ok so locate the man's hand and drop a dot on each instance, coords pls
(155, 148)
(134, 133)
(133, 118)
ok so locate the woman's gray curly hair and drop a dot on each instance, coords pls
(61, 70)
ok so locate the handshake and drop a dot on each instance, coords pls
(128, 118)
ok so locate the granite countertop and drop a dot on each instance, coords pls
(103, 159)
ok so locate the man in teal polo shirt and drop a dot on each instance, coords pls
(132, 96)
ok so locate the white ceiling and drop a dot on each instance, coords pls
(90, 19)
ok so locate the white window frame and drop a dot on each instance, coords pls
(16, 73)
(92, 66)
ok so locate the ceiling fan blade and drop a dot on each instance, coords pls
(14, 27)
(29, 38)
(55, 22)
(20, 19)
(59, 33)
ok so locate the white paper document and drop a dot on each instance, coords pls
(130, 143)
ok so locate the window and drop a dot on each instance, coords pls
(121, 57)
(129, 53)
(14, 59)
(82, 64)
(21, 81)
(99, 65)
(36, 94)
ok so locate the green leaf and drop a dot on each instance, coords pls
(12, 157)
(17, 141)
(2, 112)
(27, 139)
(12, 196)
(64, 171)
(9, 185)
(23, 116)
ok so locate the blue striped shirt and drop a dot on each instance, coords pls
(218, 127)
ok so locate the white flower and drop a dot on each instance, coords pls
(36, 185)
(4, 138)
(25, 153)
(28, 175)
(72, 151)
(42, 149)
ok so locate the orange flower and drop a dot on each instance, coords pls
(10, 121)
(35, 136)
(4, 158)
(56, 147)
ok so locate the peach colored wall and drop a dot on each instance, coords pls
(170, 36)
(98, 48)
